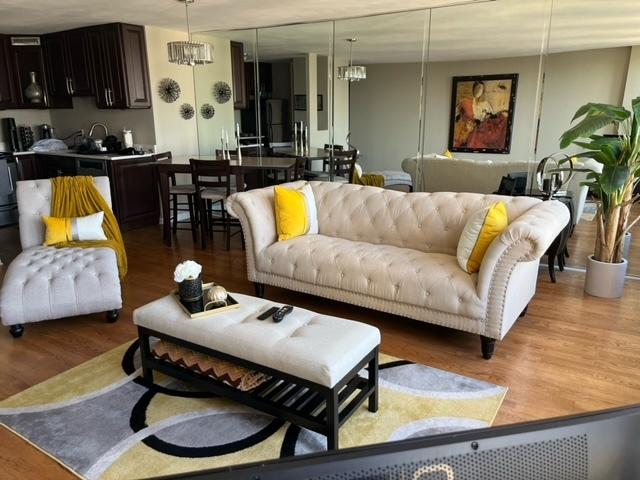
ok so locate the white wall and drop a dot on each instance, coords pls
(85, 112)
(384, 107)
(632, 85)
(573, 79)
(384, 114)
(209, 131)
(171, 131)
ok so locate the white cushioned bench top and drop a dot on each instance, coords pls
(318, 348)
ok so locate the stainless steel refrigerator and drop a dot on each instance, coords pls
(277, 120)
(8, 178)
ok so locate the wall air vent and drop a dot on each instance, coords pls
(25, 41)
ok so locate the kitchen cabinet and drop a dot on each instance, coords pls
(22, 59)
(68, 66)
(120, 66)
(27, 167)
(6, 97)
(238, 76)
(134, 192)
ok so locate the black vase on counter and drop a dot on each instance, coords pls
(190, 291)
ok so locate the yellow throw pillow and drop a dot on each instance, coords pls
(447, 154)
(60, 230)
(292, 213)
(480, 230)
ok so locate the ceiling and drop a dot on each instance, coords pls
(43, 16)
(504, 28)
(459, 31)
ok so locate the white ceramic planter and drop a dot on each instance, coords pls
(626, 246)
(605, 279)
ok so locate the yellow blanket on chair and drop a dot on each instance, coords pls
(78, 197)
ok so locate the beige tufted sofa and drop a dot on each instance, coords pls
(45, 283)
(396, 252)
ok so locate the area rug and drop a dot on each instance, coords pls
(100, 422)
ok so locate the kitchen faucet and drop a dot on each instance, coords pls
(98, 124)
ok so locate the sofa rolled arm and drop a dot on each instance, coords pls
(526, 239)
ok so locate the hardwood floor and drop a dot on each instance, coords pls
(572, 353)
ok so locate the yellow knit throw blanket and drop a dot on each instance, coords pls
(369, 179)
(78, 197)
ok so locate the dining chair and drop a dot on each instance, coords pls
(344, 163)
(179, 190)
(299, 168)
(336, 148)
(212, 179)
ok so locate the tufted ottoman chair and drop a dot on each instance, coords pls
(45, 283)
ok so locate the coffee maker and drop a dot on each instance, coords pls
(11, 134)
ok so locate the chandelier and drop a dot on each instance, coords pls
(351, 72)
(189, 52)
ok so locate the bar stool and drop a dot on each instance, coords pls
(177, 190)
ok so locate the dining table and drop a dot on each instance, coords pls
(240, 168)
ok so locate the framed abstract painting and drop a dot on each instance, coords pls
(482, 109)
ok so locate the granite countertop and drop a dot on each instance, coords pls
(67, 153)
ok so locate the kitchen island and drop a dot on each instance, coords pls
(133, 179)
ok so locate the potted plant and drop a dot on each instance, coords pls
(620, 159)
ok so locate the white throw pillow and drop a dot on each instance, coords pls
(311, 208)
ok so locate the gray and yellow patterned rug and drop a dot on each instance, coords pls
(100, 422)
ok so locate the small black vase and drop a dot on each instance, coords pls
(190, 290)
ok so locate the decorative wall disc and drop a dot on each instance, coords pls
(186, 111)
(222, 92)
(169, 90)
(207, 111)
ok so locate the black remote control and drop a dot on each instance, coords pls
(280, 314)
(268, 313)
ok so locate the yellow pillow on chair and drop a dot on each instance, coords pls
(480, 230)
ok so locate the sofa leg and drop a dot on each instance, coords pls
(524, 312)
(488, 346)
(112, 315)
(16, 331)
(259, 289)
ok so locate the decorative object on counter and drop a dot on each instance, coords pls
(224, 141)
(300, 137)
(188, 276)
(33, 93)
(26, 137)
(222, 92)
(127, 138)
(189, 52)
(207, 111)
(351, 72)
(550, 177)
(238, 141)
(614, 185)
(186, 111)
(46, 131)
(216, 297)
(49, 145)
(169, 90)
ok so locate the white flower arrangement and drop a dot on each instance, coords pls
(188, 270)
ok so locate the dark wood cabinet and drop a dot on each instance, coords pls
(6, 94)
(55, 62)
(134, 191)
(238, 77)
(27, 167)
(68, 66)
(120, 66)
(23, 59)
(79, 62)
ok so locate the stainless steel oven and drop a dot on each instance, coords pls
(8, 178)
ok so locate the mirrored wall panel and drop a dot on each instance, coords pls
(594, 56)
(379, 73)
(225, 92)
(483, 94)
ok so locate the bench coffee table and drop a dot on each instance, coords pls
(314, 361)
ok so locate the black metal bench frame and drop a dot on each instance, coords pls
(299, 401)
